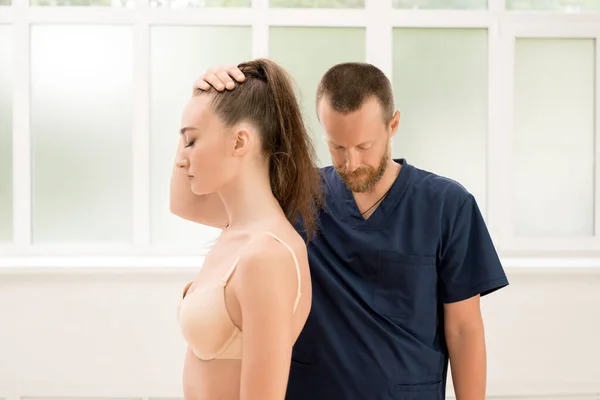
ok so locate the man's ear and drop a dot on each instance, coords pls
(394, 123)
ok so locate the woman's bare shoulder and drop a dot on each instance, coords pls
(278, 245)
(266, 274)
(272, 253)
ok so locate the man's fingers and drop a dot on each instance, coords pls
(235, 72)
(215, 80)
(225, 80)
(219, 78)
(201, 84)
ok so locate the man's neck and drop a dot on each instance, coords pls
(368, 199)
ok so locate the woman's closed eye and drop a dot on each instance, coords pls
(190, 143)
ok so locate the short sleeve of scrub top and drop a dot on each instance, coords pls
(468, 264)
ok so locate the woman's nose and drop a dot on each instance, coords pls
(182, 162)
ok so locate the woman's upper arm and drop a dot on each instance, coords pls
(266, 291)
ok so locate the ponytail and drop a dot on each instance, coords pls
(267, 99)
(294, 173)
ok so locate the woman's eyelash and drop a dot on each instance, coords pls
(190, 144)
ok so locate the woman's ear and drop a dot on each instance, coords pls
(242, 141)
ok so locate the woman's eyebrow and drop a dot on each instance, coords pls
(187, 128)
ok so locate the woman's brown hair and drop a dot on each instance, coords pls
(267, 99)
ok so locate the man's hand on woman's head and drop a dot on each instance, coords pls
(220, 78)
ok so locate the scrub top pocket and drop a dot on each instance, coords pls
(430, 391)
(405, 286)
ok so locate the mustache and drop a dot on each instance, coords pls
(355, 173)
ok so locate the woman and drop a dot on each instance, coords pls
(246, 152)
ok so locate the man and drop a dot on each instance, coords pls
(400, 262)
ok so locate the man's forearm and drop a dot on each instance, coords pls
(468, 363)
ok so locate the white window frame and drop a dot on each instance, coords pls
(379, 19)
(553, 28)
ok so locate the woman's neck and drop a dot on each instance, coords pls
(248, 199)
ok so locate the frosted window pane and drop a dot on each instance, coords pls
(554, 5)
(553, 168)
(307, 53)
(79, 3)
(440, 86)
(6, 92)
(81, 87)
(441, 4)
(179, 55)
(318, 3)
(199, 3)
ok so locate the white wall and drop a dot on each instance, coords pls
(113, 334)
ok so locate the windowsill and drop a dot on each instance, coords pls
(100, 264)
(161, 264)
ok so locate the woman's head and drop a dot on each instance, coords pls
(258, 123)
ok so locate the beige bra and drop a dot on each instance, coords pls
(205, 322)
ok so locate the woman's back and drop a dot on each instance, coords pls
(263, 272)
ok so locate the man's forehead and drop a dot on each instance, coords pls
(350, 137)
(370, 106)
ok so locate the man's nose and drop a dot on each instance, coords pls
(352, 162)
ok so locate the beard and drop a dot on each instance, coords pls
(364, 179)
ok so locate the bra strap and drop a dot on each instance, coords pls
(229, 272)
(297, 265)
(299, 290)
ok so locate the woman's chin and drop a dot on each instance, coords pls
(199, 190)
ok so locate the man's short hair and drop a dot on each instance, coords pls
(348, 85)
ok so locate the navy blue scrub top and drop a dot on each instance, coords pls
(376, 327)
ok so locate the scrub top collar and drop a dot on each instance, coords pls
(379, 216)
